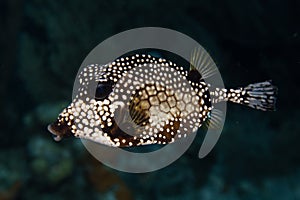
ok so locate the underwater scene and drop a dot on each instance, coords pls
(43, 45)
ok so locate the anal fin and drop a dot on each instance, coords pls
(215, 119)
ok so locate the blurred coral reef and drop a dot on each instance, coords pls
(42, 46)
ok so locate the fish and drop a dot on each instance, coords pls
(142, 99)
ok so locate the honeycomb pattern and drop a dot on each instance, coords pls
(164, 104)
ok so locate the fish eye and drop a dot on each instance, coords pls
(103, 90)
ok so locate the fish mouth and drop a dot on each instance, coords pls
(55, 136)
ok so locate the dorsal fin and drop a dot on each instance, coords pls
(201, 61)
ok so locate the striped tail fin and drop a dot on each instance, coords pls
(261, 96)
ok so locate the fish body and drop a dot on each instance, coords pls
(141, 99)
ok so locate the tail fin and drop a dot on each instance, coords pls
(261, 96)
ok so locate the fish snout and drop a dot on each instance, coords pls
(54, 133)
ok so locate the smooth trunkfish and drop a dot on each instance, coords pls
(161, 108)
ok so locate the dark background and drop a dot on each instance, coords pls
(42, 46)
